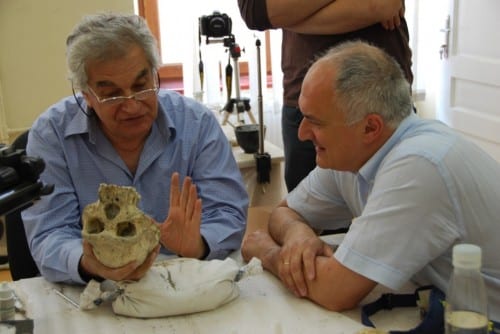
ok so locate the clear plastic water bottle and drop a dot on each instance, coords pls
(7, 302)
(466, 310)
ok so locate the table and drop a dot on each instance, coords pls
(264, 306)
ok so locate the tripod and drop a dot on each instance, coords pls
(242, 105)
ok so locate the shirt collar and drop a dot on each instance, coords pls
(79, 123)
(370, 168)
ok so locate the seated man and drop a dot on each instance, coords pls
(122, 129)
(408, 188)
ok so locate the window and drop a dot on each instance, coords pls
(172, 27)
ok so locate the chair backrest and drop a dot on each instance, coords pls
(21, 141)
(21, 263)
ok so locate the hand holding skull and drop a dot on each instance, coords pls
(131, 271)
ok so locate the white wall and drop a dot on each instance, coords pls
(425, 18)
(33, 65)
(32, 54)
(430, 17)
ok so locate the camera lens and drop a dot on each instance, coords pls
(217, 26)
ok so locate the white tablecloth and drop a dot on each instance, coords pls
(264, 306)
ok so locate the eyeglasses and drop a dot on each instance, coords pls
(116, 100)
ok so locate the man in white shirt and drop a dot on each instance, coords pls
(408, 188)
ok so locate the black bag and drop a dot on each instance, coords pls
(429, 299)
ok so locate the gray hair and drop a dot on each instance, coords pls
(104, 37)
(369, 81)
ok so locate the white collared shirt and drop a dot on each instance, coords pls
(425, 190)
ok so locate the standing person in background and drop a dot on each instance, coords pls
(122, 129)
(310, 28)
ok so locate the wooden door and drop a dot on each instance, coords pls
(469, 94)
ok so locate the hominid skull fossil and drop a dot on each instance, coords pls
(118, 231)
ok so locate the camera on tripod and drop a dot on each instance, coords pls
(217, 29)
(215, 25)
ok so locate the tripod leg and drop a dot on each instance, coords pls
(250, 115)
(245, 104)
(238, 118)
(226, 116)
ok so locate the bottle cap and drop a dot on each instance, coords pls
(5, 291)
(467, 256)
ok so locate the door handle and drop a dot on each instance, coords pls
(443, 49)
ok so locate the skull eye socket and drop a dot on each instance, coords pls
(125, 229)
(111, 210)
(95, 226)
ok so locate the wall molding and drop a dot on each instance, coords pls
(3, 119)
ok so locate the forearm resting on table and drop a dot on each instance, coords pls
(336, 287)
(284, 223)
